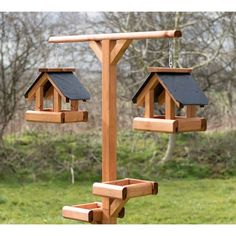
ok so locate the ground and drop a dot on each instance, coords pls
(205, 201)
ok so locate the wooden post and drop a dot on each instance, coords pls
(169, 107)
(39, 99)
(109, 48)
(56, 101)
(149, 104)
(191, 111)
(108, 124)
(74, 105)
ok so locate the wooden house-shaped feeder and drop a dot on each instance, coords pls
(57, 85)
(173, 88)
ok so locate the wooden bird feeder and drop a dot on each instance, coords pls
(57, 85)
(173, 88)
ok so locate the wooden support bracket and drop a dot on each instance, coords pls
(96, 46)
(119, 49)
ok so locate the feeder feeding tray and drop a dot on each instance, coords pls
(125, 188)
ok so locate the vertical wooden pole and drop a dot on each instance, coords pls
(169, 107)
(149, 104)
(39, 99)
(108, 124)
(191, 111)
(56, 101)
(74, 105)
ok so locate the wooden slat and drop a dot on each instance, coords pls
(120, 182)
(76, 213)
(149, 104)
(169, 70)
(116, 36)
(44, 116)
(139, 189)
(109, 190)
(39, 99)
(119, 49)
(96, 46)
(65, 69)
(56, 101)
(153, 124)
(74, 105)
(191, 111)
(75, 116)
(169, 107)
(90, 212)
(191, 124)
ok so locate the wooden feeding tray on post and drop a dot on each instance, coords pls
(125, 188)
(57, 84)
(173, 88)
(89, 212)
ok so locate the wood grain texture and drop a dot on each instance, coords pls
(65, 69)
(169, 106)
(39, 99)
(56, 101)
(110, 190)
(191, 111)
(149, 104)
(96, 46)
(119, 49)
(169, 70)
(116, 36)
(154, 124)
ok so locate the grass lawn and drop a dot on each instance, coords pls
(206, 201)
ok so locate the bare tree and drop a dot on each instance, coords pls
(21, 49)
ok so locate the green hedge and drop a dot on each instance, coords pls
(47, 156)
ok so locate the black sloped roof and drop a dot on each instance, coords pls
(182, 86)
(67, 83)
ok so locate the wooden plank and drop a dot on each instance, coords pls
(39, 99)
(192, 124)
(149, 104)
(169, 70)
(109, 129)
(139, 189)
(191, 111)
(65, 69)
(110, 190)
(153, 82)
(77, 213)
(169, 106)
(116, 36)
(75, 116)
(56, 101)
(44, 116)
(89, 206)
(120, 182)
(108, 114)
(74, 105)
(119, 49)
(96, 46)
(154, 124)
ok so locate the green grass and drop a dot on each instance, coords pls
(205, 201)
